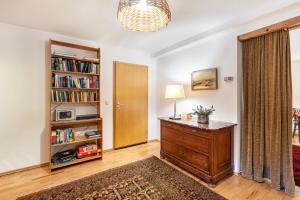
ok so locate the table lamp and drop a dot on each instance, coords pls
(174, 92)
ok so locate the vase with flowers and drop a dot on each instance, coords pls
(203, 114)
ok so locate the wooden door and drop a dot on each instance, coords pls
(130, 104)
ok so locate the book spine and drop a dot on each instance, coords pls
(61, 139)
(57, 136)
(53, 137)
(65, 137)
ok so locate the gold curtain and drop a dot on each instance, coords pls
(267, 110)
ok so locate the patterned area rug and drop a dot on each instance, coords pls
(149, 179)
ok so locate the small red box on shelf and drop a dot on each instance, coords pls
(87, 150)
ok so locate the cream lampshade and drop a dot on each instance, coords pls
(174, 91)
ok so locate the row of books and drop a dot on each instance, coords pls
(73, 96)
(61, 136)
(69, 65)
(72, 82)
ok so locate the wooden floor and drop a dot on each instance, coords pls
(234, 187)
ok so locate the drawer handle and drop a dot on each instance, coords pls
(169, 125)
(194, 131)
(181, 153)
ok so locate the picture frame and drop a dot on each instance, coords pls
(206, 79)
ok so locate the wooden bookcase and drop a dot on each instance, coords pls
(95, 122)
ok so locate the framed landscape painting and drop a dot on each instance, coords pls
(206, 79)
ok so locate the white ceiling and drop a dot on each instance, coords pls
(97, 19)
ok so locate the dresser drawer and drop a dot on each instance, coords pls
(171, 125)
(197, 131)
(192, 158)
(193, 142)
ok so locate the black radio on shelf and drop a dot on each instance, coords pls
(82, 117)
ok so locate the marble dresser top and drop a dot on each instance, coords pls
(213, 125)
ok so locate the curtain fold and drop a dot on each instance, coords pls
(267, 110)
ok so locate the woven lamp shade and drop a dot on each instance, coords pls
(144, 15)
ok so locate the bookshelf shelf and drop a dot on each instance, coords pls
(83, 121)
(74, 73)
(80, 89)
(78, 140)
(68, 129)
(74, 58)
(76, 161)
(88, 102)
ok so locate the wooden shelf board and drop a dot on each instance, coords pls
(83, 139)
(74, 58)
(75, 161)
(89, 102)
(65, 88)
(61, 56)
(59, 123)
(74, 46)
(74, 73)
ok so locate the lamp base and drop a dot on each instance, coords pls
(175, 118)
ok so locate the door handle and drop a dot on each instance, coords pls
(118, 105)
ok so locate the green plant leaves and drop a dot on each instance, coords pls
(200, 110)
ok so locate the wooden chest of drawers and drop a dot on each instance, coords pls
(203, 150)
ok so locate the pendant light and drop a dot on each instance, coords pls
(144, 15)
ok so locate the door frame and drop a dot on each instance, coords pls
(114, 100)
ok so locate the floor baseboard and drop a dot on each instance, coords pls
(47, 163)
(154, 140)
(24, 169)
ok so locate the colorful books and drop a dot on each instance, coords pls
(70, 65)
(61, 136)
(59, 81)
(73, 96)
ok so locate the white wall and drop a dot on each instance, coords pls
(24, 97)
(216, 51)
(296, 83)
(220, 50)
(111, 54)
(295, 54)
(295, 41)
